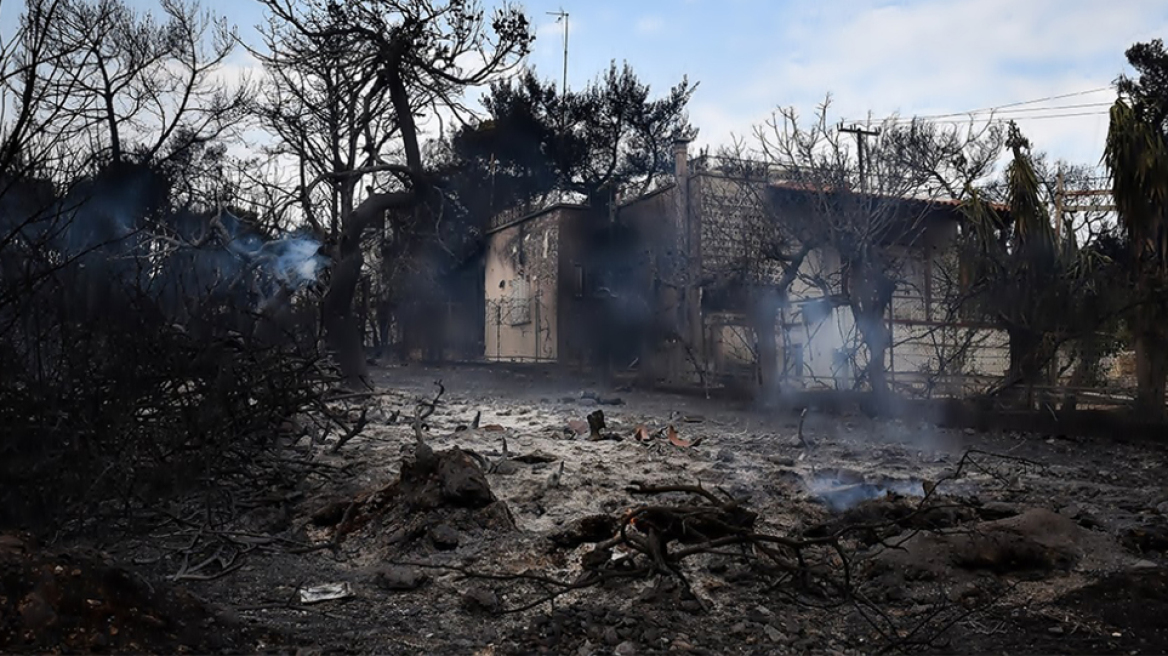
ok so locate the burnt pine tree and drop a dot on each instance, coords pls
(609, 136)
(1137, 158)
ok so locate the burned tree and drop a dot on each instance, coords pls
(607, 138)
(348, 84)
(1137, 158)
(152, 346)
(139, 89)
(862, 227)
(1033, 278)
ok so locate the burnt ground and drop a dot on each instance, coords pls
(1041, 544)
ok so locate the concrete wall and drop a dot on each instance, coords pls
(521, 288)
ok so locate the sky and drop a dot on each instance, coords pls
(875, 57)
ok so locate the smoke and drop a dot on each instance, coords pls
(840, 495)
(295, 260)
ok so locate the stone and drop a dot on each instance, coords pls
(626, 648)
(1162, 508)
(444, 537)
(611, 637)
(400, 578)
(481, 599)
(773, 634)
(587, 402)
(1057, 630)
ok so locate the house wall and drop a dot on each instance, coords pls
(933, 350)
(521, 289)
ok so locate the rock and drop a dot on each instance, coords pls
(593, 528)
(35, 612)
(1162, 508)
(726, 455)
(1144, 564)
(587, 402)
(738, 629)
(397, 577)
(610, 400)
(997, 510)
(481, 599)
(1071, 510)
(773, 634)
(626, 648)
(611, 637)
(1057, 630)
(444, 537)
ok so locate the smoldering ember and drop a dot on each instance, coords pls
(348, 330)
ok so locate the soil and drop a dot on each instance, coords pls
(1030, 549)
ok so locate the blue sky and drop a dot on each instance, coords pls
(873, 56)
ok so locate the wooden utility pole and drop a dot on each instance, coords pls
(860, 134)
(1059, 191)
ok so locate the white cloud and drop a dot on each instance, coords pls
(941, 57)
(650, 25)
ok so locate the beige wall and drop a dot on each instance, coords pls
(521, 290)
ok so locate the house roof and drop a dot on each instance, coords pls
(940, 202)
(511, 223)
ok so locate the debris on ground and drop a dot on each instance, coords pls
(456, 537)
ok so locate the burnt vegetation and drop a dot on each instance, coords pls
(192, 319)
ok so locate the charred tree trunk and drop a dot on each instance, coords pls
(874, 332)
(870, 295)
(342, 324)
(1151, 365)
(764, 313)
(1028, 353)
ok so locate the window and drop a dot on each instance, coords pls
(518, 304)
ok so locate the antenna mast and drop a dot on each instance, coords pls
(562, 15)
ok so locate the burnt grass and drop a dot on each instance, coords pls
(1080, 569)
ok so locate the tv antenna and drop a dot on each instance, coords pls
(562, 16)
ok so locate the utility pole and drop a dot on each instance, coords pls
(562, 15)
(1059, 192)
(860, 134)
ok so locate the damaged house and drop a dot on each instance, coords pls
(668, 284)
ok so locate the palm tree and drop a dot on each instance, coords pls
(1137, 158)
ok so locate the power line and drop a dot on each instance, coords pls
(1038, 100)
(975, 119)
(997, 108)
(1006, 111)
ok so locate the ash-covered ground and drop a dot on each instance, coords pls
(1031, 543)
